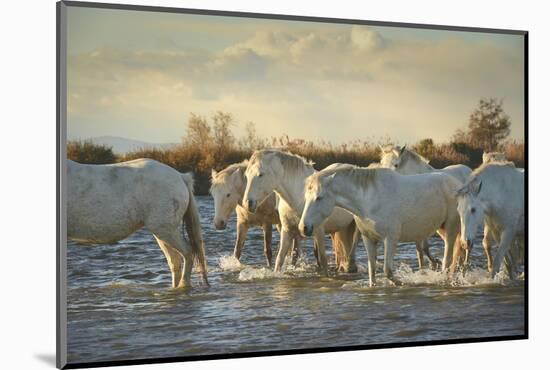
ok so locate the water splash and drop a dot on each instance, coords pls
(301, 269)
(472, 277)
(230, 263)
(250, 274)
(406, 276)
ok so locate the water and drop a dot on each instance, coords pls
(121, 306)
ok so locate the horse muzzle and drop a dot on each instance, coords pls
(251, 205)
(220, 224)
(306, 230)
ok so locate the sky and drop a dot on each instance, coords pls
(140, 75)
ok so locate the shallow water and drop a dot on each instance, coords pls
(121, 306)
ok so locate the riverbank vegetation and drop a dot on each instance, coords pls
(211, 143)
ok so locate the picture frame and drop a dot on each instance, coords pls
(62, 140)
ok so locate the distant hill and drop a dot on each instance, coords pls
(123, 145)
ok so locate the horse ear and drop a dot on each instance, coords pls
(237, 176)
(327, 180)
(463, 190)
(213, 173)
(477, 188)
(402, 149)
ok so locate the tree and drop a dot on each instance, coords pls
(223, 137)
(198, 132)
(488, 125)
(251, 140)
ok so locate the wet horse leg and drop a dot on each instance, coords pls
(267, 243)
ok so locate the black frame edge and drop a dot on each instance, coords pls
(288, 17)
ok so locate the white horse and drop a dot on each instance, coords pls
(488, 234)
(227, 189)
(387, 206)
(107, 203)
(284, 173)
(494, 193)
(408, 162)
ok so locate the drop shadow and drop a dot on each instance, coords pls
(47, 358)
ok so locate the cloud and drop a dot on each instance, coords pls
(366, 39)
(294, 80)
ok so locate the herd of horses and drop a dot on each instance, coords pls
(401, 199)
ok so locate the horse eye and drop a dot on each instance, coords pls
(473, 210)
(319, 198)
(260, 175)
(228, 195)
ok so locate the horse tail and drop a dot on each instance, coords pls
(192, 223)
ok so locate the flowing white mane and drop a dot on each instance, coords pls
(361, 176)
(404, 153)
(491, 166)
(291, 162)
(219, 178)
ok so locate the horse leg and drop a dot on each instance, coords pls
(354, 242)
(174, 239)
(347, 241)
(487, 241)
(434, 262)
(295, 250)
(319, 236)
(370, 246)
(242, 231)
(521, 253)
(390, 244)
(506, 240)
(286, 241)
(267, 243)
(337, 247)
(458, 257)
(510, 261)
(449, 236)
(316, 252)
(420, 254)
(174, 260)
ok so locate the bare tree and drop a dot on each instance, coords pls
(223, 137)
(198, 132)
(251, 140)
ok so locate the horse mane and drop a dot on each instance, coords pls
(361, 176)
(480, 171)
(411, 154)
(291, 162)
(406, 155)
(387, 148)
(221, 176)
(489, 165)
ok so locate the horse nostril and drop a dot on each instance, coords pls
(222, 223)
